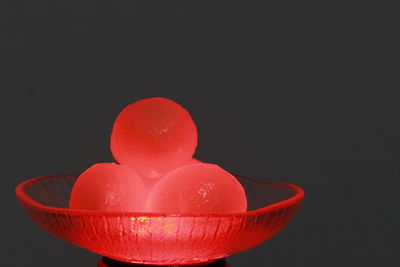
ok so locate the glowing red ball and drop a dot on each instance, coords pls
(153, 136)
(150, 182)
(194, 161)
(108, 187)
(197, 189)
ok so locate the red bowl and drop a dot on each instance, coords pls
(160, 238)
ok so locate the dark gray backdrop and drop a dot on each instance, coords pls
(298, 91)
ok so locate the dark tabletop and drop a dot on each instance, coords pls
(305, 92)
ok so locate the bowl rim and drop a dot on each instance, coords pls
(27, 200)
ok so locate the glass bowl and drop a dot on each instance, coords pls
(160, 238)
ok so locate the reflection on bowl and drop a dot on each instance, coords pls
(160, 238)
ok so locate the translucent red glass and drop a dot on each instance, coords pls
(197, 188)
(107, 262)
(154, 136)
(151, 181)
(160, 238)
(109, 187)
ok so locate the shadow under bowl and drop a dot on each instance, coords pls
(160, 238)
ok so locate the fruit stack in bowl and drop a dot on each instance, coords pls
(153, 141)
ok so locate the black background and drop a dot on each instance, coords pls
(300, 91)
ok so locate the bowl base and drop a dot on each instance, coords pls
(108, 262)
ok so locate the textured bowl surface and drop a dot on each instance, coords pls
(160, 238)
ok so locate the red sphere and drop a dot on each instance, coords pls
(150, 182)
(108, 187)
(153, 136)
(197, 189)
